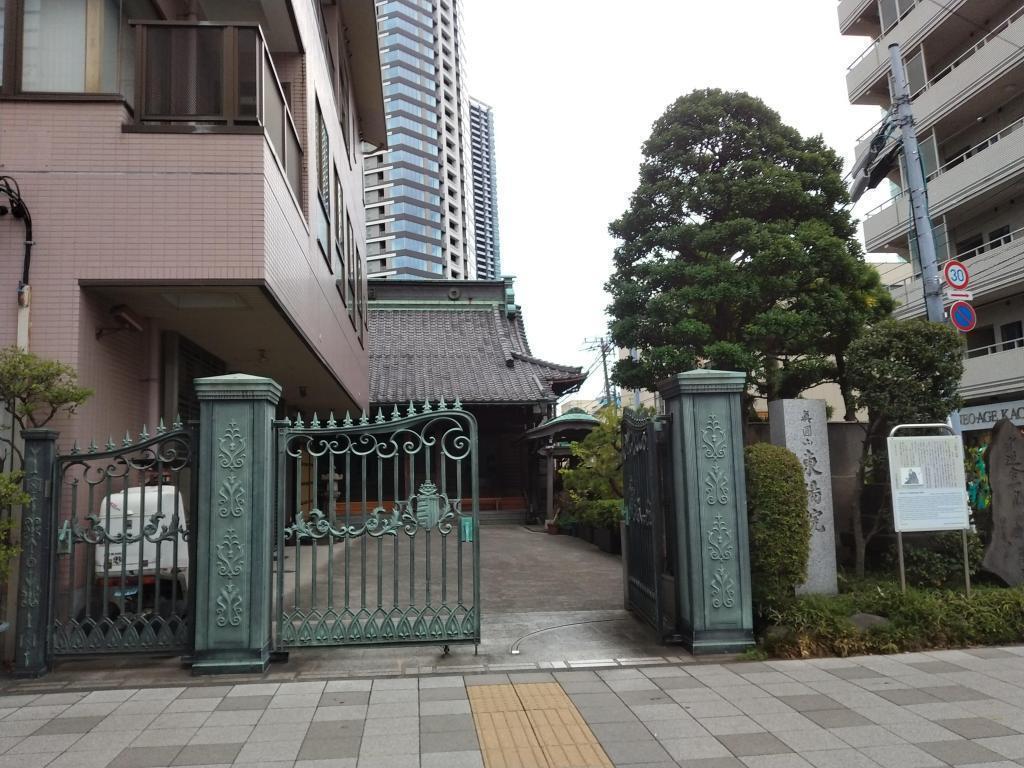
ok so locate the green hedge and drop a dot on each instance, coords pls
(780, 530)
(921, 619)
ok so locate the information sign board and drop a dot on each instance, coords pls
(929, 489)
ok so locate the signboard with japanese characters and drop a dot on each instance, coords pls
(929, 489)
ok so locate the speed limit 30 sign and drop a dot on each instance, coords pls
(956, 274)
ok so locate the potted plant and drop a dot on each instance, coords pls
(606, 514)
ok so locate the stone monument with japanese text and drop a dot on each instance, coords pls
(802, 427)
(1005, 554)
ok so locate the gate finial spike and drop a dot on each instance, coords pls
(177, 422)
(287, 422)
(364, 419)
(127, 439)
(331, 422)
(92, 446)
(412, 409)
(315, 423)
(74, 448)
(380, 416)
(442, 405)
(110, 443)
(160, 428)
(426, 406)
(457, 405)
(144, 434)
(395, 414)
(348, 420)
(299, 424)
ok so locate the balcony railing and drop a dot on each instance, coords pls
(989, 37)
(205, 77)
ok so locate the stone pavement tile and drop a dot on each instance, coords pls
(288, 716)
(784, 721)
(729, 725)
(738, 693)
(856, 672)
(235, 717)
(650, 713)
(957, 693)
(458, 707)
(907, 696)
(326, 714)
(243, 702)
(988, 708)
(595, 699)
(45, 713)
(746, 744)
(440, 694)
(224, 734)
(788, 689)
(801, 741)
(348, 685)
(343, 762)
(139, 707)
(1007, 746)
(694, 695)
(809, 702)
(400, 709)
(678, 683)
(327, 749)
(193, 705)
(313, 686)
(395, 683)
(976, 727)
(789, 760)
(441, 681)
(629, 752)
(838, 758)
(620, 732)
(444, 723)
(272, 732)
(710, 762)
(36, 760)
(682, 728)
(921, 732)
(394, 744)
(6, 742)
(866, 736)
(343, 729)
(205, 692)
(607, 714)
(69, 725)
(117, 695)
(695, 748)
(50, 743)
(95, 758)
(901, 756)
(960, 752)
(254, 689)
(638, 683)
(836, 718)
(284, 749)
(383, 727)
(104, 740)
(389, 761)
(20, 700)
(763, 706)
(576, 676)
(206, 754)
(711, 709)
(117, 722)
(935, 667)
(66, 697)
(472, 759)
(164, 737)
(646, 697)
(493, 679)
(179, 720)
(939, 711)
(665, 670)
(145, 757)
(294, 700)
(449, 741)
(394, 697)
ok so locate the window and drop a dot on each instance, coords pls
(981, 341)
(338, 267)
(343, 96)
(350, 274)
(323, 185)
(970, 247)
(1012, 335)
(998, 237)
(360, 296)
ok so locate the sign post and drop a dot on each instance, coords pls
(929, 488)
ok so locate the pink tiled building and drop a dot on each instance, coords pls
(194, 172)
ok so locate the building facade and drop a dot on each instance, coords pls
(419, 216)
(485, 191)
(194, 173)
(965, 65)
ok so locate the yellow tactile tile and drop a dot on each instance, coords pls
(577, 756)
(555, 716)
(524, 757)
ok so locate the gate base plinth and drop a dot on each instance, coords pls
(231, 663)
(718, 642)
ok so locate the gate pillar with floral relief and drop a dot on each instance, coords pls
(235, 524)
(713, 608)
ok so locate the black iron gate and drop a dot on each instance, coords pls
(378, 529)
(644, 453)
(123, 518)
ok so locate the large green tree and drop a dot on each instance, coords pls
(738, 252)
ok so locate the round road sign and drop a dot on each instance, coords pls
(962, 316)
(956, 275)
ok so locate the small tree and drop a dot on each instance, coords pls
(11, 495)
(904, 372)
(598, 472)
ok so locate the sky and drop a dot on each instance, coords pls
(576, 86)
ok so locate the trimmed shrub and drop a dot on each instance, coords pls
(780, 530)
(937, 560)
(603, 513)
(10, 495)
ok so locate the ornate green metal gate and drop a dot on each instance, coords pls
(378, 529)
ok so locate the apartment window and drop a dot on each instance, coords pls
(343, 97)
(1012, 335)
(981, 341)
(323, 185)
(350, 273)
(998, 237)
(339, 229)
(3, 14)
(970, 247)
(360, 297)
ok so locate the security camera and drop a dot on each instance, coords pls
(126, 318)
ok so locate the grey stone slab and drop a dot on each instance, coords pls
(809, 702)
(650, 713)
(394, 696)
(294, 700)
(491, 679)
(586, 686)
(719, 726)
(954, 693)
(325, 714)
(164, 737)
(711, 709)
(449, 741)
(695, 748)
(450, 760)
(459, 707)
(207, 754)
(682, 728)
(866, 736)
(711, 762)
(389, 761)
(205, 691)
(1007, 746)
(976, 727)
(223, 734)
(902, 756)
(345, 698)
(235, 717)
(838, 758)
(645, 698)
(632, 752)
(145, 757)
(608, 714)
(340, 729)
(284, 749)
(595, 699)
(836, 718)
(935, 667)
(68, 725)
(961, 752)
(444, 723)
(620, 732)
(921, 732)
(853, 673)
(802, 741)
(394, 744)
(95, 758)
(747, 744)
(50, 743)
(789, 760)
(903, 696)
(104, 740)
(443, 694)
(678, 682)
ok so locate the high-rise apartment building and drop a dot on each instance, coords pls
(965, 65)
(485, 191)
(417, 193)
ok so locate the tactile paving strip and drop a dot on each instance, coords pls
(532, 725)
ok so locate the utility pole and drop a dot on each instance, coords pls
(604, 345)
(634, 354)
(918, 191)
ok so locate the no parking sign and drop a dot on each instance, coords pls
(962, 316)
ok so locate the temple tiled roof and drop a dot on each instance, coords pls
(474, 349)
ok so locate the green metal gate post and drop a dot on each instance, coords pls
(235, 525)
(710, 507)
(31, 645)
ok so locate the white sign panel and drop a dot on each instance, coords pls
(986, 416)
(929, 489)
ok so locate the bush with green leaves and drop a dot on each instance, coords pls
(600, 513)
(11, 495)
(780, 529)
(35, 390)
(937, 560)
(820, 625)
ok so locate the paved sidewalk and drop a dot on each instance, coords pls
(908, 711)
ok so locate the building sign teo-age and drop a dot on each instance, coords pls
(986, 416)
(929, 489)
